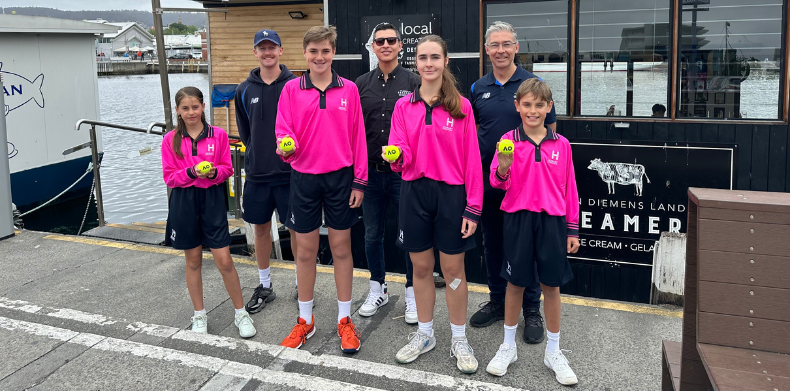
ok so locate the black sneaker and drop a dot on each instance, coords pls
(260, 298)
(489, 313)
(533, 326)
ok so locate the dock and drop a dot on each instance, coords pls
(148, 233)
(86, 313)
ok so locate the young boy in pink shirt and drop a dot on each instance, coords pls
(541, 222)
(320, 111)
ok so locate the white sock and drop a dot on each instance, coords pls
(375, 287)
(553, 344)
(510, 335)
(410, 293)
(240, 310)
(201, 312)
(306, 311)
(343, 309)
(426, 328)
(459, 330)
(265, 277)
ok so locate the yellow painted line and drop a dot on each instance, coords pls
(479, 288)
(138, 228)
(149, 225)
(17, 232)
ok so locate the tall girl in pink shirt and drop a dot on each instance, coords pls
(441, 195)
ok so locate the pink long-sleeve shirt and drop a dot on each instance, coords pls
(211, 146)
(541, 178)
(437, 146)
(327, 127)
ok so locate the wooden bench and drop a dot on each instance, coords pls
(736, 317)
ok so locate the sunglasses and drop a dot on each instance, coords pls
(390, 40)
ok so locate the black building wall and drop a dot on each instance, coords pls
(761, 158)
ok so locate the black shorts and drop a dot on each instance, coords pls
(197, 216)
(535, 238)
(430, 215)
(260, 199)
(312, 193)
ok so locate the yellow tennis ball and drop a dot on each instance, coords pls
(204, 167)
(506, 147)
(392, 152)
(287, 144)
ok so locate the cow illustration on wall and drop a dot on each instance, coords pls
(620, 173)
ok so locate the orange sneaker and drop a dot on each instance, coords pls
(349, 336)
(299, 334)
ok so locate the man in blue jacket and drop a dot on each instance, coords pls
(268, 180)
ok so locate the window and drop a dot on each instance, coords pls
(542, 28)
(730, 59)
(623, 57)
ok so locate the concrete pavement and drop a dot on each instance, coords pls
(80, 313)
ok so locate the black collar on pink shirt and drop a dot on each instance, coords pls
(520, 135)
(305, 83)
(208, 131)
(415, 97)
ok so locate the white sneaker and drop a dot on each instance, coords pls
(200, 324)
(244, 323)
(505, 356)
(465, 356)
(559, 364)
(377, 297)
(419, 343)
(411, 308)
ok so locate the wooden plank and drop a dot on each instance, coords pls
(760, 154)
(743, 137)
(745, 215)
(777, 158)
(747, 360)
(743, 332)
(670, 365)
(747, 238)
(741, 200)
(599, 130)
(661, 131)
(744, 269)
(693, 375)
(727, 133)
(744, 300)
(709, 133)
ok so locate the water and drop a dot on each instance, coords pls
(132, 185)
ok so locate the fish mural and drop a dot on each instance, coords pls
(19, 90)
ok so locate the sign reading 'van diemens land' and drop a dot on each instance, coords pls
(629, 194)
(411, 28)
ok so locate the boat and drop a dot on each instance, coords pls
(50, 82)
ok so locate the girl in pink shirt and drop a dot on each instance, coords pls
(441, 195)
(196, 215)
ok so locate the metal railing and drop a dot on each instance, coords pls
(149, 130)
(95, 153)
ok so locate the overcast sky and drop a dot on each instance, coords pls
(99, 5)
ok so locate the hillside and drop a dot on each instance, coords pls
(141, 17)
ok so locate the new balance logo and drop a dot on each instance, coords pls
(486, 95)
(400, 236)
(293, 221)
(254, 100)
(508, 268)
(173, 235)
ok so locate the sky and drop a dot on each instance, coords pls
(99, 5)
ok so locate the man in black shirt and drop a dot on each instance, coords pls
(379, 89)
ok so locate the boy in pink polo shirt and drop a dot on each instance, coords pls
(320, 111)
(541, 222)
